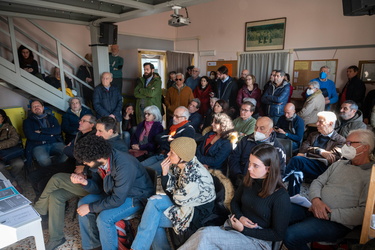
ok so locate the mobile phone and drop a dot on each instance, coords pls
(276, 127)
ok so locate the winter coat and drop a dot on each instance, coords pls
(147, 96)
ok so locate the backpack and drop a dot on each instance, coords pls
(125, 234)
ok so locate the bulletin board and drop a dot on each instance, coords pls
(214, 65)
(306, 70)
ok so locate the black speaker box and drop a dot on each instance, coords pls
(358, 7)
(108, 33)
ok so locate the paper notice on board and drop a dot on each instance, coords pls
(296, 73)
(316, 65)
(301, 65)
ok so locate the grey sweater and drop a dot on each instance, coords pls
(343, 187)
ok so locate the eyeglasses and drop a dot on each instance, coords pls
(84, 121)
(148, 114)
(178, 116)
(349, 143)
(245, 110)
(178, 79)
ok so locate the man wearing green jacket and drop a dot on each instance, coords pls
(147, 91)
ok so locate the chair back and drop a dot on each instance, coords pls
(288, 146)
(154, 178)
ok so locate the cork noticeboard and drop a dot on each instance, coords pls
(214, 65)
(306, 70)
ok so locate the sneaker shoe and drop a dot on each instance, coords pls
(51, 245)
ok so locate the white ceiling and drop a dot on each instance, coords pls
(87, 11)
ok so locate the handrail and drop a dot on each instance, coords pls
(74, 68)
(54, 58)
(56, 39)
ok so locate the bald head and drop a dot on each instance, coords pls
(289, 110)
(244, 73)
(264, 125)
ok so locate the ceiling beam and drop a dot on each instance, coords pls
(163, 7)
(44, 18)
(131, 4)
(64, 7)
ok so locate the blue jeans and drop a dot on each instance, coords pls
(126, 135)
(102, 232)
(304, 228)
(151, 230)
(310, 169)
(154, 162)
(43, 153)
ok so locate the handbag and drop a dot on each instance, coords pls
(11, 153)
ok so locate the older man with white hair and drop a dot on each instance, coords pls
(338, 196)
(320, 150)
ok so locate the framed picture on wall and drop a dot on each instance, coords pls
(265, 35)
(367, 71)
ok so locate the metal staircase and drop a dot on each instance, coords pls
(26, 84)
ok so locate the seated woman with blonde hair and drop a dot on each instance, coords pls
(216, 144)
(260, 207)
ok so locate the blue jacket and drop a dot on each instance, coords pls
(195, 120)
(107, 102)
(297, 124)
(330, 86)
(239, 158)
(217, 153)
(150, 146)
(118, 143)
(127, 179)
(70, 122)
(275, 99)
(48, 135)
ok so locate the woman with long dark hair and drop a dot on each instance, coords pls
(203, 92)
(26, 60)
(220, 106)
(260, 207)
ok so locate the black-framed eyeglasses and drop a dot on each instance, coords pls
(178, 79)
(349, 143)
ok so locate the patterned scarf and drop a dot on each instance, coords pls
(191, 187)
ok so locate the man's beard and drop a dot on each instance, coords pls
(146, 76)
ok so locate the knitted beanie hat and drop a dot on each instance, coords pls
(184, 147)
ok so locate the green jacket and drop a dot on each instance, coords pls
(147, 96)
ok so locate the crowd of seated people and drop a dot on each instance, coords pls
(245, 149)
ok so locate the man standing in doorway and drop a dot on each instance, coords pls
(147, 91)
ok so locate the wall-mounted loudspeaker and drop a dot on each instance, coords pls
(108, 33)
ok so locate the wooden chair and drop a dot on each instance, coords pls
(368, 232)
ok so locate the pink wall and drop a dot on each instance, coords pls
(220, 25)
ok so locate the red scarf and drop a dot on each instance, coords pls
(173, 128)
(103, 173)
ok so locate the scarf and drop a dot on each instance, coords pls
(190, 187)
(173, 128)
(77, 113)
(42, 119)
(146, 130)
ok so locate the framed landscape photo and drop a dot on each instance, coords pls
(265, 35)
